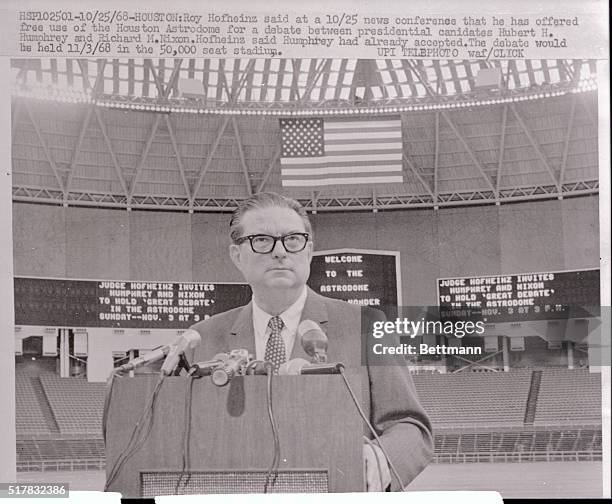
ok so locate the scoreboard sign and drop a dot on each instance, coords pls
(362, 277)
(119, 303)
(521, 297)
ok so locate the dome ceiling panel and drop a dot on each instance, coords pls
(288, 80)
(85, 151)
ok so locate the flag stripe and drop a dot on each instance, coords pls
(397, 165)
(288, 172)
(362, 134)
(359, 125)
(339, 158)
(322, 176)
(386, 129)
(356, 143)
(392, 148)
(324, 164)
(353, 164)
(342, 181)
(371, 154)
(361, 145)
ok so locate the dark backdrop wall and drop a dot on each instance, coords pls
(53, 241)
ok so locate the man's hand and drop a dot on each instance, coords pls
(377, 474)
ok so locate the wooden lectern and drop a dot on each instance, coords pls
(231, 442)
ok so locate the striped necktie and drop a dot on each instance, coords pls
(275, 347)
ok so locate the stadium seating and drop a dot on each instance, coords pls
(474, 399)
(523, 440)
(569, 397)
(59, 449)
(76, 404)
(29, 416)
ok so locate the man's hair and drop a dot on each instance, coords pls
(266, 200)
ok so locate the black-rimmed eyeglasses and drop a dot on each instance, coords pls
(264, 244)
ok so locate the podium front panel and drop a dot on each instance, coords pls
(231, 442)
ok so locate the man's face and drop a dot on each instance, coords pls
(279, 269)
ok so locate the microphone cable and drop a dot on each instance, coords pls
(186, 436)
(394, 472)
(272, 473)
(144, 423)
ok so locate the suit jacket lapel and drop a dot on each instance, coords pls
(315, 309)
(242, 334)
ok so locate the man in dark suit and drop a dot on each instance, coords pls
(272, 247)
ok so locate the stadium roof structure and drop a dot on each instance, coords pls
(202, 134)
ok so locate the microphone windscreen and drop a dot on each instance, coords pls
(191, 338)
(221, 357)
(220, 377)
(308, 325)
(292, 367)
(312, 337)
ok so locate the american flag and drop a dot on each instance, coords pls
(323, 152)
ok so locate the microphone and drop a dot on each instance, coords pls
(154, 355)
(258, 367)
(292, 367)
(303, 367)
(233, 366)
(314, 341)
(206, 368)
(189, 339)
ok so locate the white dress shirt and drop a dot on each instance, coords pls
(291, 319)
